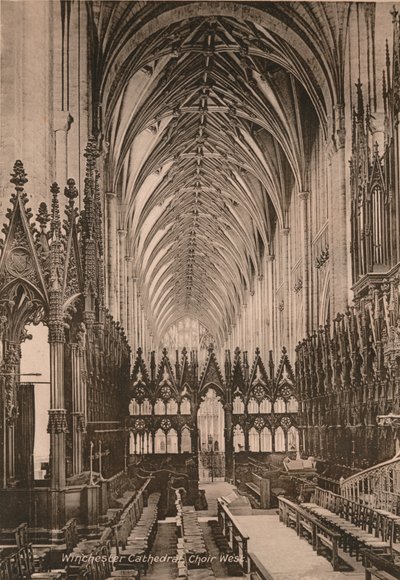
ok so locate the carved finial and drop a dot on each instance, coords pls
(139, 352)
(91, 151)
(19, 177)
(153, 359)
(257, 351)
(55, 207)
(164, 351)
(43, 215)
(237, 351)
(210, 347)
(245, 360)
(98, 211)
(71, 191)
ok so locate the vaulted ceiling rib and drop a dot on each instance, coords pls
(205, 143)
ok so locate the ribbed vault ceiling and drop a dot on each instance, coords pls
(206, 122)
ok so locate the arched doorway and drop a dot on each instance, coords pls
(211, 442)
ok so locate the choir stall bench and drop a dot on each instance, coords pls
(260, 488)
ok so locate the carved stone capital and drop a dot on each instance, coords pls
(57, 421)
(56, 331)
(80, 421)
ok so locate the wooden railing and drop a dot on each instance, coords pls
(329, 483)
(376, 486)
(234, 533)
(378, 567)
(256, 571)
(293, 515)
(374, 521)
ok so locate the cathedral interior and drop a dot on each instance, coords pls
(199, 290)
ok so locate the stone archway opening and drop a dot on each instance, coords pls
(35, 382)
(211, 440)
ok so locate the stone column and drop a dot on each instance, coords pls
(76, 85)
(245, 326)
(228, 441)
(251, 339)
(9, 373)
(285, 278)
(260, 314)
(238, 331)
(139, 317)
(129, 297)
(62, 124)
(270, 299)
(25, 433)
(140, 314)
(338, 220)
(228, 343)
(304, 196)
(135, 316)
(111, 269)
(122, 278)
(57, 426)
(78, 415)
(57, 416)
(234, 339)
(146, 334)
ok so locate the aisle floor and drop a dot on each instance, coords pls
(285, 555)
(213, 491)
(164, 545)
